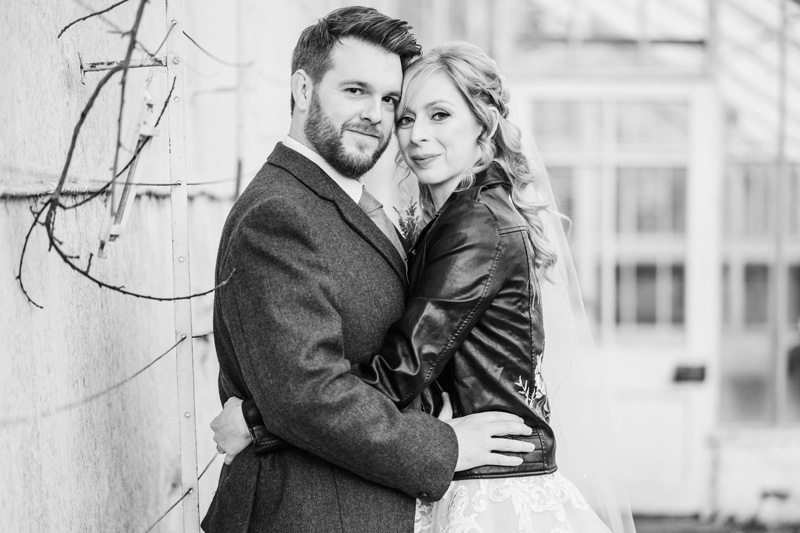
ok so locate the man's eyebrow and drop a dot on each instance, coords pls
(360, 83)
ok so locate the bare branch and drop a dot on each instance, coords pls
(120, 288)
(22, 255)
(95, 14)
(123, 84)
(105, 187)
(51, 206)
(215, 58)
(22, 419)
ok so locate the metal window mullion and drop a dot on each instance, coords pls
(608, 212)
(781, 301)
(180, 267)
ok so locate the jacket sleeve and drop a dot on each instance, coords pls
(457, 283)
(287, 334)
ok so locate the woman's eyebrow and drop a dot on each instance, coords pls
(435, 103)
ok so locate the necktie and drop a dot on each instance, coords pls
(374, 209)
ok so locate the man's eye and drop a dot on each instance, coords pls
(355, 90)
(391, 101)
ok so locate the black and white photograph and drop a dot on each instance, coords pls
(400, 266)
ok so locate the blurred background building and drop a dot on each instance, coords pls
(671, 129)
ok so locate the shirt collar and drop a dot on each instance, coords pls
(352, 187)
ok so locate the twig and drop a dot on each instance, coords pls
(22, 255)
(211, 462)
(100, 191)
(53, 201)
(66, 407)
(121, 288)
(215, 58)
(123, 83)
(106, 10)
(160, 518)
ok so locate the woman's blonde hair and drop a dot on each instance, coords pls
(476, 77)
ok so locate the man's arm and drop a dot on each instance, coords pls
(287, 333)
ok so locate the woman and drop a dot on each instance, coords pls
(473, 326)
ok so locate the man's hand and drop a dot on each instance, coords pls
(230, 430)
(480, 437)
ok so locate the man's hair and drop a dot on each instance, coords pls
(313, 50)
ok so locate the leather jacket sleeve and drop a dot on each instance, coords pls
(455, 275)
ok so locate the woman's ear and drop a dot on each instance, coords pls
(301, 89)
(495, 121)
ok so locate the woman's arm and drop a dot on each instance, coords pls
(452, 287)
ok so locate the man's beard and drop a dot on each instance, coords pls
(321, 132)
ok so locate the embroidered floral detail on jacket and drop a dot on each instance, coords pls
(535, 397)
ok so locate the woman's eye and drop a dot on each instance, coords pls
(404, 121)
(440, 116)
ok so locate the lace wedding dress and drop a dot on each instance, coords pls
(547, 503)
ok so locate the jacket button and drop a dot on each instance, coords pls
(423, 496)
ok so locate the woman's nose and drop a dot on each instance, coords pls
(419, 131)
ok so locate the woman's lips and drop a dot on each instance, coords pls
(423, 160)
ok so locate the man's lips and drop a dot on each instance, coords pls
(373, 134)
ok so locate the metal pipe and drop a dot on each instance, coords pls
(181, 280)
(97, 66)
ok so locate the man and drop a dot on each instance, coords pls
(314, 285)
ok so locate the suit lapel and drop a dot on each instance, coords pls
(319, 182)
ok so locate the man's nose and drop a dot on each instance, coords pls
(372, 110)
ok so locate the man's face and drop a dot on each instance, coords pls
(351, 112)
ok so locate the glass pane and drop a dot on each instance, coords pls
(757, 197)
(794, 200)
(726, 294)
(793, 377)
(652, 123)
(572, 123)
(678, 206)
(556, 122)
(646, 294)
(562, 182)
(756, 291)
(626, 294)
(649, 214)
(651, 200)
(678, 288)
(794, 295)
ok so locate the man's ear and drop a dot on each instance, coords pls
(301, 89)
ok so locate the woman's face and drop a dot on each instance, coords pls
(438, 134)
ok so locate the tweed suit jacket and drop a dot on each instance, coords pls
(314, 286)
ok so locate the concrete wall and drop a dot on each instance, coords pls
(70, 461)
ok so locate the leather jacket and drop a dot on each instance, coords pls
(472, 326)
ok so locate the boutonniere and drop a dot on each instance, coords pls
(410, 224)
